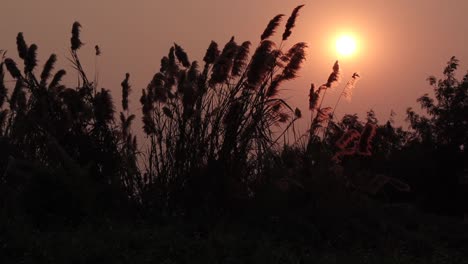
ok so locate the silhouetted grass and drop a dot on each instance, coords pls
(217, 178)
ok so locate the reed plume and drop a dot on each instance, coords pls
(212, 53)
(241, 59)
(22, 46)
(75, 39)
(103, 107)
(334, 77)
(313, 97)
(296, 57)
(145, 102)
(158, 88)
(260, 63)
(164, 64)
(271, 27)
(348, 89)
(31, 59)
(57, 78)
(181, 56)
(297, 113)
(126, 88)
(291, 22)
(97, 50)
(13, 68)
(223, 65)
(172, 67)
(48, 67)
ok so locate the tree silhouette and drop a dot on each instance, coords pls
(439, 140)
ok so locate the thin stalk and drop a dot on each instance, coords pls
(333, 114)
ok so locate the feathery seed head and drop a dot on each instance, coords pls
(291, 22)
(48, 67)
(103, 107)
(313, 97)
(212, 53)
(241, 58)
(57, 78)
(181, 56)
(223, 65)
(12, 68)
(334, 77)
(164, 64)
(31, 59)
(261, 61)
(296, 57)
(271, 27)
(22, 46)
(98, 50)
(297, 113)
(75, 39)
(348, 90)
(126, 88)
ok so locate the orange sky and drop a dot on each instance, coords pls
(401, 42)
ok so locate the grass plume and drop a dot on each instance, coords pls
(296, 57)
(350, 85)
(75, 39)
(21, 46)
(291, 22)
(260, 63)
(48, 67)
(57, 78)
(223, 65)
(335, 76)
(31, 59)
(13, 68)
(125, 91)
(181, 56)
(240, 61)
(212, 53)
(271, 27)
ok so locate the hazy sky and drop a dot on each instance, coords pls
(400, 42)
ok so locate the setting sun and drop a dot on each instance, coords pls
(345, 45)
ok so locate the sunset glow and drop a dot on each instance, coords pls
(346, 45)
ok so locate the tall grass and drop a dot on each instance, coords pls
(209, 128)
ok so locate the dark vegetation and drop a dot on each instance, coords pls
(218, 178)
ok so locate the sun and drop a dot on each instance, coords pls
(346, 45)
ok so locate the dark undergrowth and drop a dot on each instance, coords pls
(390, 235)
